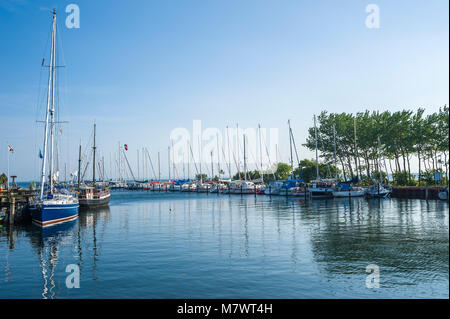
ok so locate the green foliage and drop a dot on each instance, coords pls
(204, 177)
(402, 134)
(404, 178)
(3, 179)
(308, 172)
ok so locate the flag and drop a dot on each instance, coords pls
(40, 154)
(126, 147)
(10, 149)
(60, 131)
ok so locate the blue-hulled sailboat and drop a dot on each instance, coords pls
(53, 206)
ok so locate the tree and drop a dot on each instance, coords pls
(3, 179)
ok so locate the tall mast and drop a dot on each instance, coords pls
(189, 159)
(290, 149)
(49, 91)
(317, 154)
(94, 148)
(245, 160)
(218, 154)
(52, 110)
(334, 139)
(212, 166)
(168, 154)
(200, 164)
(356, 149)
(79, 165)
(238, 159)
(378, 160)
(138, 162)
(260, 152)
(229, 154)
(159, 168)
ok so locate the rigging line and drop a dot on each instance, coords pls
(193, 158)
(268, 156)
(328, 164)
(151, 163)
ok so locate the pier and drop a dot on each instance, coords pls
(14, 204)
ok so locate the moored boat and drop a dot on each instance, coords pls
(94, 195)
(347, 190)
(53, 206)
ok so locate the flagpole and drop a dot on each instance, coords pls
(7, 169)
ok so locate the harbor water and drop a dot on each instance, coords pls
(189, 245)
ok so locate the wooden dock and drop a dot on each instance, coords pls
(14, 203)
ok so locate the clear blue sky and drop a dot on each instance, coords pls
(143, 68)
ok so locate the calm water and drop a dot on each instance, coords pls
(152, 245)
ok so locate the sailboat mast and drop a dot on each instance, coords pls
(238, 159)
(260, 153)
(44, 158)
(79, 165)
(229, 154)
(189, 159)
(334, 142)
(218, 154)
(378, 159)
(245, 160)
(94, 148)
(159, 168)
(317, 154)
(52, 110)
(212, 166)
(168, 154)
(290, 148)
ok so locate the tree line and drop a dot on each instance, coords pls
(372, 143)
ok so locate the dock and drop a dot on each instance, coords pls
(14, 204)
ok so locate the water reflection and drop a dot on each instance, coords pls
(195, 245)
(47, 243)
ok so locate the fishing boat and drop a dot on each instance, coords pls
(53, 206)
(93, 195)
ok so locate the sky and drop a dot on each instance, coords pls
(140, 69)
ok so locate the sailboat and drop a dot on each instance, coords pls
(320, 188)
(94, 195)
(53, 206)
(377, 189)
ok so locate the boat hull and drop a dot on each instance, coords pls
(48, 215)
(94, 202)
(321, 194)
(349, 194)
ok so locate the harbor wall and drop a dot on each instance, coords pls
(415, 192)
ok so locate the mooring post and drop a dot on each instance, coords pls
(426, 191)
(12, 207)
